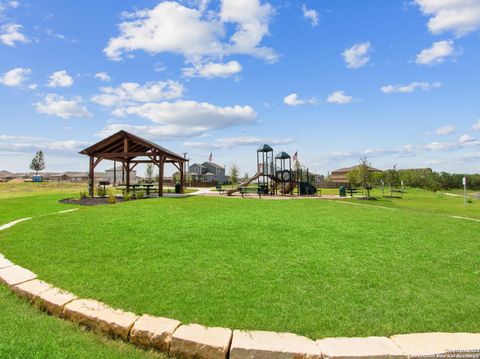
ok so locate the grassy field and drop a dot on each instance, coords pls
(314, 267)
(46, 337)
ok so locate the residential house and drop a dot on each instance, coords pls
(340, 175)
(207, 172)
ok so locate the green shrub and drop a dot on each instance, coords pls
(83, 195)
(101, 191)
(140, 194)
(469, 200)
(111, 197)
(127, 195)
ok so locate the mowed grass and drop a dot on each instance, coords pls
(314, 267)
(26, 333)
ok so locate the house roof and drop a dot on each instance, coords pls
(113, 148)
(349, 169)
(197, 164)
(213, 165)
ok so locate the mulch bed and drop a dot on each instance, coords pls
(90, 201)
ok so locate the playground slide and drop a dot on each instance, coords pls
(287, 188)
(243, 184)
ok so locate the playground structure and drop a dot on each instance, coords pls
(275, 176)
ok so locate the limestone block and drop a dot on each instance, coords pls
(99, 316)
(266, 345)
(196, 341)
(436, 343)
(370, 347)
(14, 275)
(153, 332)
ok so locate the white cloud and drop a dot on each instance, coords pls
(466, 139)
(56, 105)
(425, 86)
(445, 130)
(60, 79)
(231, 142)
(211, 70)
(437, 54)
(294, 100)
(17, 144)
(15, 77)
(458, 16)
(311, 15)
(10, 34)
(129, 93)
(103, 76)
(172, 27)
(182, 119)
(476, 126)
(339, 97)
(357, 56)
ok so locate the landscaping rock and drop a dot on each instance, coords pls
(371, 347)
(44, 295)
(101, 317)
(266, 345)
(153, 332)
(4, 262)
(436, 343)
(30, 289)
(196, 341)
(14, 275)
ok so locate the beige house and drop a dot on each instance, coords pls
(340, 175)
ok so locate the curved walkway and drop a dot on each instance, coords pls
(196, 341)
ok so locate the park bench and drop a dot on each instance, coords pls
(246, 190)
(352, 191)
(219, 189)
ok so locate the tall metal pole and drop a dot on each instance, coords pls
(465, 190)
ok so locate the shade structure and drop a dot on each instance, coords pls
(130, 150)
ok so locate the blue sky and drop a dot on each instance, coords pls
(395, 81)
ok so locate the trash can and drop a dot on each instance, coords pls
(342, 191)
(178, 188)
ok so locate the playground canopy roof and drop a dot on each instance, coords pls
(265, 148)
(282, 156)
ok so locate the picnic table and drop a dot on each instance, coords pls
(149, 188)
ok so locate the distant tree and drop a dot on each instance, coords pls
(234, 173)
(149, 172)
(392, 178)
(38, 162)
(176, 177)
(362, 176)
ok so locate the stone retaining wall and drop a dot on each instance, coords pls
(172, 337)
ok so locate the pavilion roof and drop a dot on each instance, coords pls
(113, 148)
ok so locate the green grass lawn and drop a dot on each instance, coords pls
(28, 333)
(314, 267)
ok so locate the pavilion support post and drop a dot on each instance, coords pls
(161, 164)
(114, 173)
(127, 170)
(91, 177)
(182, 177)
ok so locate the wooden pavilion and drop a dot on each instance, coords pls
(130, 150)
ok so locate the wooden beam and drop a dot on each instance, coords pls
(91, 177)
(97, 161)
(182, 178)
(134, 165)
(125, 154)
(127, 165)
(161, 163)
